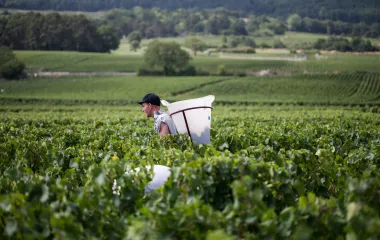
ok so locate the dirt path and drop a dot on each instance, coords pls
(264, 58)
(59, 74)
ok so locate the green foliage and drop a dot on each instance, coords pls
(249, 42)
(25, 31)
(135, 36)
(345, 10)
(294, 22)
(278, 44)
(149, 72)
(12, 69)
(275, 177)
(6, 54)
(344, 45)
(134, 39)
(53, 31)
(224, 40)
(10, 66)
(195, 44)
(243, 41)
(188, 71)
(245, 50)
(134, 45)
(110, 40)
(264, 45)
(166, 55)
(221, 70)
(234, 42)
(238, 28)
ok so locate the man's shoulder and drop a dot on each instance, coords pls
(161, 115)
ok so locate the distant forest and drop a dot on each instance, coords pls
(57, 31)
(353, 11)
(34, 31)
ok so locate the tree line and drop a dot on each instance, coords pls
(336, 10)
(345, 45)
(153, 23)
(298, 24)
(54, 31)
(35, 31)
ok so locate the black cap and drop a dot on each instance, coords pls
(152, 99)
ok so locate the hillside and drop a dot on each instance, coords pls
(345, 10)
(322, 89)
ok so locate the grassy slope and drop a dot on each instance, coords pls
(78, 61)
(320, 89)
(311, 89)
(99, 88)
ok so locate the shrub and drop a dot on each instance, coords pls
(240, 50)
(221, 71)
(278, 44)
(188, 71)
(222, 46)
(293, 50)
(168, 56)
(249, 42)
(263, 33)
(344, 45)
(264, 45)
(10, 66)
(149, 72)
(234, 42)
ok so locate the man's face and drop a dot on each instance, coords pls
(147, 109)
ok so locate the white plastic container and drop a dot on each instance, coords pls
(193, 117)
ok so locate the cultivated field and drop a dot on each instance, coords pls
(96, 62)
(260, 177)
(326, 89)
(292, 156)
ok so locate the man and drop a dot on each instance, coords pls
(163, 123)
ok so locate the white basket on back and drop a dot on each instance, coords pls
(193, 117)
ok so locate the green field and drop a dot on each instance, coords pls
(294, 155)
(103, 112)
(335, 89)
(314, 89)
(95, 62)
(100, 88)
(78, 62)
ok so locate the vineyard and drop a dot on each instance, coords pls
(322, 89)
(293, 155)
(272, 178)
(360, 88)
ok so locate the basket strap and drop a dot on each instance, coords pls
(187, 125)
